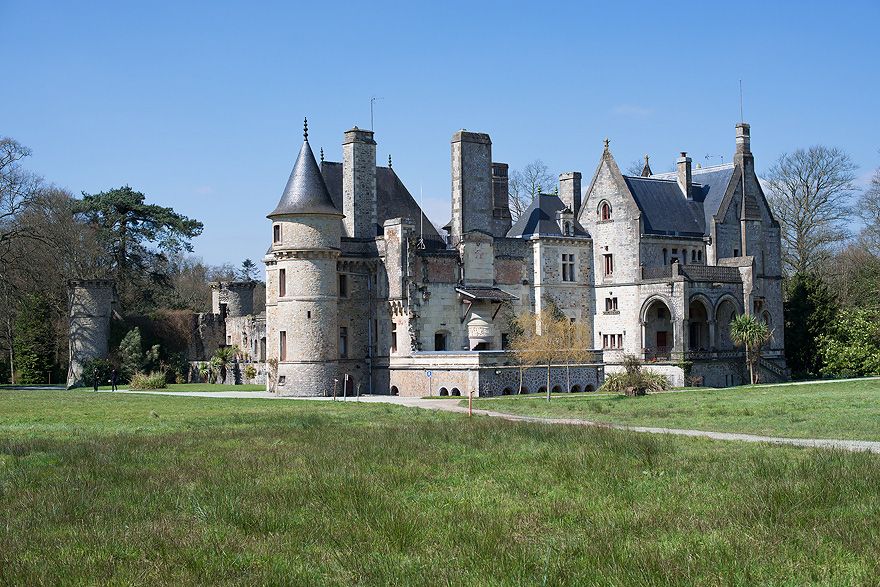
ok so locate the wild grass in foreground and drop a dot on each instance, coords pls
(847, 410)
(97, 488)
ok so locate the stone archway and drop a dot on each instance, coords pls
(725, 312)
(658, 332)
(699, 338)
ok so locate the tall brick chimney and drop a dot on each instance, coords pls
(500, 200)
(359, 183)
(685, 176)
(743, 155)
(472, 200)
(570, 190)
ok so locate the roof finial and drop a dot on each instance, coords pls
(389, 160)
(322, 154)
(306, 129)
(646, 158)
(607, 142)
(646, 170)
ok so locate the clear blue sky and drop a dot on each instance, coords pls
(200, 105)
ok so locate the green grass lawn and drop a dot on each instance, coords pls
(100, 488)
(848, 410)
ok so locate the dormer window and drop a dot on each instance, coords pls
(567, 231)
(604, 211)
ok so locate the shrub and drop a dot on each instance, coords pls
(104, 367)
(634, 380)
(250, 372)
(147, 381)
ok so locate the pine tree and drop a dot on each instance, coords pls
(131, 353)
(811, 308)
(34, 340)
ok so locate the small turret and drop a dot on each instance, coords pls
(301, 283)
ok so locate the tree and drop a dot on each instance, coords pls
(854, 277)
(748, 331)
(540, 340)
(810, 308)
(138, 237)
(527, 183)
(248, 270)
(34, 340)
(132, 357)
(809, 191)
(851, 347)
(869, 211)
(18, 188)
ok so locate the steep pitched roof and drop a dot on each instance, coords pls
(306, 192)
(710, 185)
(664, 208)
(540, 219)
(393, 199)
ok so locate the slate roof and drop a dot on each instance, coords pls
(540, 219)
(713, 183)
(393, 199)
(305, 192)
(486, 294)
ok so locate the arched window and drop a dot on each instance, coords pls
(524, 390)
(455, 391)
(588, 388)
(542, 390)
(394, 390)
(567, 229)
(506, 391)
(444, 391)
(604, 211)
(557, 389)
(575, 388)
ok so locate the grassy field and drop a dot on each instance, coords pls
(100, 488)
(848, 410)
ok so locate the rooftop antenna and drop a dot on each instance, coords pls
(372, 101)
(741, 117)
(421, 244)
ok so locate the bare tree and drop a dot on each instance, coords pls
(634, 169)
(525, 184)
(810, 192)
(869, 212)
(18, 188)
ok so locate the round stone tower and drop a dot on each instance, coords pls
(233, 298)
(90, 303)
(301, 283)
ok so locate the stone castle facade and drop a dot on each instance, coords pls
(365, 296)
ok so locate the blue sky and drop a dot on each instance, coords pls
(200, 105)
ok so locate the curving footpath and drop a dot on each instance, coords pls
(448, 405)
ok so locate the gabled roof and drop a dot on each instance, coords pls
(306, 192)
(664, 208)
(713, 183)
(540, 219)
(393, 199)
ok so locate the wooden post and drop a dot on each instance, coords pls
(470, 403)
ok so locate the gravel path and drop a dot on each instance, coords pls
(449, 405)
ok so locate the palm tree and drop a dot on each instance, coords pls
(748, 331)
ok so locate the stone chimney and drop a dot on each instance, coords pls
(472, 200)
(500, 200)
(685, 176)
(570, 190)
(359, 183)
(743, 155)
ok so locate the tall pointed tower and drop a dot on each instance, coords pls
(301, 282)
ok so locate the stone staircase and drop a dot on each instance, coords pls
(771, 371)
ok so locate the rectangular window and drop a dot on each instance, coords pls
(609, 264)
(612, 341)
(282, 346)
(505, 341)
(610, 304)
(693, 256)
(343, 342)
(393, 337)
(276, 233)
(440, 341)
(343, 285)
(282, 283)
(736, 252)
(567, 267)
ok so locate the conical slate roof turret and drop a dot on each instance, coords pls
(306, 192)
